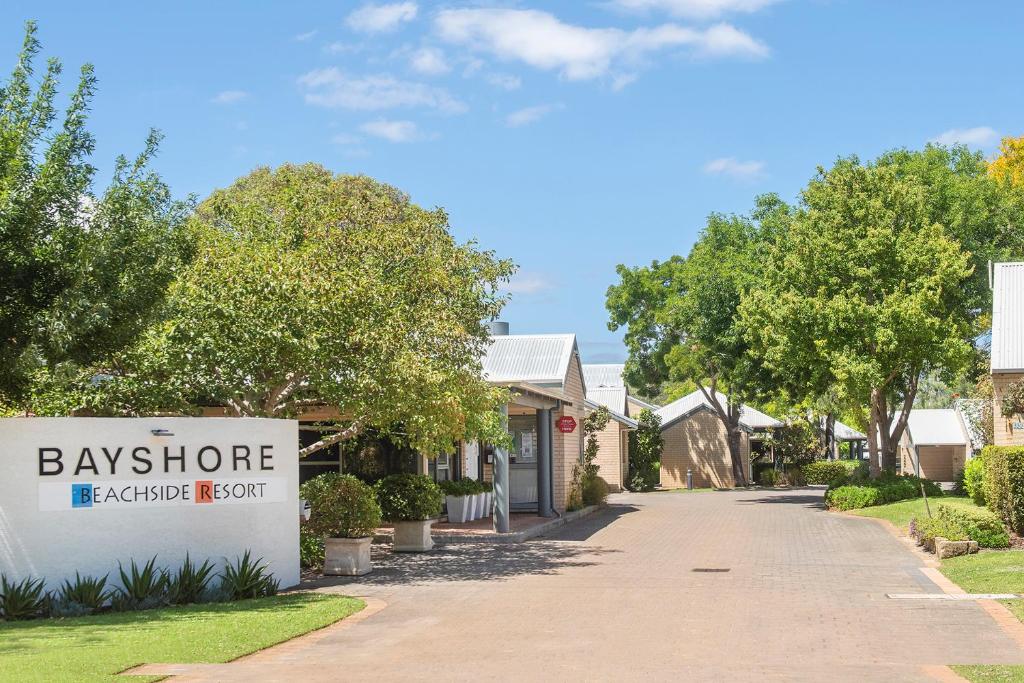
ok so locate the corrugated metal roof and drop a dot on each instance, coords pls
(1008, 317)
(642, 403)
(629, 422)
(847, 433)
(936, 427)
(536, 358)
(751, 418)
(603, 375)
(611, 397)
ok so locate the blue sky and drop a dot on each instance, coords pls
(569, 136)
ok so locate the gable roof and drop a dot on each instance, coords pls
(642, 403)
(534, 358)
(613, 398)
(603, 375)
(630, 423)
(936, 427)
(1008, 317)
(845, 432)
(750, 418)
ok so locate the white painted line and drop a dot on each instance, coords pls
(953, 596)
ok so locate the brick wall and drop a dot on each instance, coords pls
(699, 443)
(566, 447)
(609, 454)
(1005, 434)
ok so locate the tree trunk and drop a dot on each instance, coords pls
(739, 471)
(830, 437)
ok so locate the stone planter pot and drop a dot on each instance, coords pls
(458, 508)
(347, 556)
(413, 537)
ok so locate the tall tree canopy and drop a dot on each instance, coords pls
(682, 323)
(81, 273)
(868, 289)
(1008, 166)
(311, 290)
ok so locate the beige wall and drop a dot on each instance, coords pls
(699, 443)
(567, 447)
(938, 463)
(611, 455)
(1005, 434)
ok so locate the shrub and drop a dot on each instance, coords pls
(960, 525)
(142, 587)
(246, 578)
(792, 476)
(1003, 483)
(851, 497)
(930, 528)
(311, 547)
(188, 585)
(409, 498)
(645, 444)
(825, 472)
(462, 487)
(595, 491)
(341, 506)
(768, 477)
(887, 488)
(85, 596)
(974, 479)
(23, 599)
(486, 486)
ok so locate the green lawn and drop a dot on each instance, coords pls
(98, 647)
(900, 513)
(991, 673)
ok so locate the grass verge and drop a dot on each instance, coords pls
(991, 673)
(96, 648)
(901, 512)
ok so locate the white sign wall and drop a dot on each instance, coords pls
(80, 494)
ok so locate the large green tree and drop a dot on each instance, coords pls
(866, 289)
(81, 272)
(312, 291)
(682, 323)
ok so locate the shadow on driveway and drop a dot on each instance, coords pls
(809, 499)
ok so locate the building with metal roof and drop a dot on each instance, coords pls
(535, 358)
(751, 419)
(935, 444)
(1007, 281)
(605, 387)
(608, 375)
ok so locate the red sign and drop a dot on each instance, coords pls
(566, 424)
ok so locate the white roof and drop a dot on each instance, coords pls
(603, 375)
(687, 405)
(847, 433)
(1008, 317)
(613, 398)
(642, 403)
(616, 415)
(534, 358)
(936, 427)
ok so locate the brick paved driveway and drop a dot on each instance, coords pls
(615, 597)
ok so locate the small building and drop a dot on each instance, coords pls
(935, 444)
(1007, 347)
(605, 387)
(696, 440)
(857, 441)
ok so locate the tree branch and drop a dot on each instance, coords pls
(349, 432)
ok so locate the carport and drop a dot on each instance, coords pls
(935, 445)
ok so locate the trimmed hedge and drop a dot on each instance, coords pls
(825, 472)
(1003, 483)
(409, 498)
(974, 479)
(887, 488)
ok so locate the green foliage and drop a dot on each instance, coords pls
(957, 524)
(825, 472)
(142, 587)
(930, 528)
(974, 479)
(311, 548)
(645, 444)
(1003, 483)
(248, 578)
(310, 287)
(190, 582)
(1013, 400)
(341, 506)
(409, 497)
(887, 488)
(81, 274)
(796, 442)
(461, 487)
(769, 477)
(595, 491)
(86, 595)
(23, 599)
(585, 471)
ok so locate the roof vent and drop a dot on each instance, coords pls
(498, 328)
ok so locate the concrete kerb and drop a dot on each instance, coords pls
(441, 538)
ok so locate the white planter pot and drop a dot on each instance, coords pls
(413, 537)
(347, 556)
(488, 503)
(458, 508)
(479, 505)
(474, 508)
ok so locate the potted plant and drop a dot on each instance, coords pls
(344, 510)
(413, 503)
(457, 500)
(476, 493)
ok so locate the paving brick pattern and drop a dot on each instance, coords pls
(613, 597)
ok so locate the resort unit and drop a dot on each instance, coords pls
(1007, 347)
(697, 441)
(936, 444)
(605, 387)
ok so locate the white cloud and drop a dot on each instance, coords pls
(373, 18)
(308, 35)
(528, 283)
(429, 61)
(229, 96)
(392, 131)
(530, 115)
(543, 41)
(331, 88)
(732, 167)
(981, 136)
(696, 9)
(505, 81)
(337, 47)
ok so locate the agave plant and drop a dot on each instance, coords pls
(248, 578)
(86, 595)
(141, 587)
(22, 599)
(189, 583)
